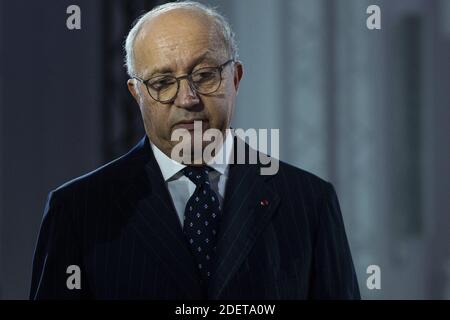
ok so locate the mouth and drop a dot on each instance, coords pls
(189, 124)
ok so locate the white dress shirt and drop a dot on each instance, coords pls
(181, 188)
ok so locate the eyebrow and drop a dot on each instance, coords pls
(204, 57)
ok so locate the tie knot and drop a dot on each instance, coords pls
(198, 175)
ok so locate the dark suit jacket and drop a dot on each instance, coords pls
(281, 237)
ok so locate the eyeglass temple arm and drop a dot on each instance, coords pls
(139, 79)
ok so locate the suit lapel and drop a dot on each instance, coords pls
(249, 205)
(149, 209)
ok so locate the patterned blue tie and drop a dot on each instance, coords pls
(201, 220)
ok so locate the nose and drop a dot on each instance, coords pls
(186, 97)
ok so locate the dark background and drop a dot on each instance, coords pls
(367, 110)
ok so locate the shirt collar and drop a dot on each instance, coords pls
(170, 168)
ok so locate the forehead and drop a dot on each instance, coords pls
(175, 38)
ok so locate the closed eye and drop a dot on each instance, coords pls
(161, 83)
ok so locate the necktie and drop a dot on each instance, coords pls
(201, 220)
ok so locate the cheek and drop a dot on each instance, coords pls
(155, 119)
(219, 112)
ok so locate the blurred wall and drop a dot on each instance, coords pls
(50, 124)
(367, 110)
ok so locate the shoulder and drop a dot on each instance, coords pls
(283, 174)
(292, 172)
(301, 181)
(112, 174)
(307, 195)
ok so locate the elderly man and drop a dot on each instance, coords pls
(148, 227)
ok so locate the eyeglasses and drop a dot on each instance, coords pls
(165, 88)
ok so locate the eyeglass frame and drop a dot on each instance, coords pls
(190, 82)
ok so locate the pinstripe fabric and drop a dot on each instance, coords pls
(119, 225)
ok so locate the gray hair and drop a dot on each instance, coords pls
(220, 21)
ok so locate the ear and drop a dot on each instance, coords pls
(132, 85)
(238, 73)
